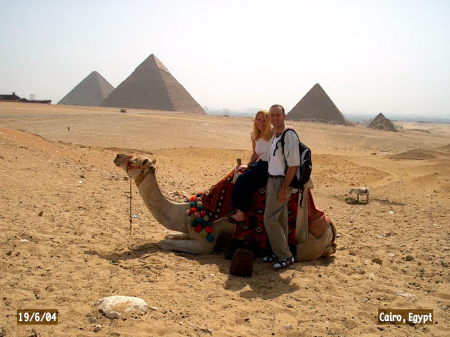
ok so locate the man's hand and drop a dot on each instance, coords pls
(282, 194)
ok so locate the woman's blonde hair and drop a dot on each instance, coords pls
(267, 133)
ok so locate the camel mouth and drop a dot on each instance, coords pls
(119, 160)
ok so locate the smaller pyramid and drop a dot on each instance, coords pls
(152, 86)
(89, 92)
(382, 123)
(317, 106)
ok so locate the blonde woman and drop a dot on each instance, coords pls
(257, 173)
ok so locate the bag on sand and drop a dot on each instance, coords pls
(242, 263)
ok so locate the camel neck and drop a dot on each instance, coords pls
(170, 215)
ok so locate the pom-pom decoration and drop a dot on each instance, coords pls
(200, 220)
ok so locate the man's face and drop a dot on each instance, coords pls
(276, 117)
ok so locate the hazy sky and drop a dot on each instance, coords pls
(369, 56)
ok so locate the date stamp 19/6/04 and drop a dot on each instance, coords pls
(37, 316)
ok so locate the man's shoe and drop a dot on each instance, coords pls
(283, 263)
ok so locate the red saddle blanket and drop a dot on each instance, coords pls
(217, 203)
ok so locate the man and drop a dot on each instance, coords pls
(278, 191)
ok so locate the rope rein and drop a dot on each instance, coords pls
(131, 214)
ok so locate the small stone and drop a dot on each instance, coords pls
(288, 326)
(82, 176)
(113, 307)
(405, 294)
(98, 328)
(41, 213)
(377, 260)
(371, 276)
(352, 253)
(154, 308)
(2, 332)
(409, 258)
(9, 253)
(126, 178)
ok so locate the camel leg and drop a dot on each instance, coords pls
(188, 246)
(177, 236)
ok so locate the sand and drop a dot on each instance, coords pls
(65, 243)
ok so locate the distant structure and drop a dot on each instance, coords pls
(9, 98)
(316, 106)
(382, 123)
(89, 92)
(151, 86)
(15, 98)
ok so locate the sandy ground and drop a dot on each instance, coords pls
(64, 239)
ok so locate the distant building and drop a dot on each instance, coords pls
(15, 98)
(10, 98)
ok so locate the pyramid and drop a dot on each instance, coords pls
(316, 106)
(89, 92)
(151, 86)
(381, 122)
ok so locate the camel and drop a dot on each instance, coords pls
(360, 191)
(173, 216)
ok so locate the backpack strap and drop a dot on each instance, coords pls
(282, 144)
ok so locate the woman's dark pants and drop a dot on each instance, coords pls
(247, 183)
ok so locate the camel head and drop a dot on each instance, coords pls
(134, 166)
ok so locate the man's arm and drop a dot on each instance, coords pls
(290, 174)
(293, 160)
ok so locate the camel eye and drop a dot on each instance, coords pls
(145, 162)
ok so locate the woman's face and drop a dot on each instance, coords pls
(260, 122)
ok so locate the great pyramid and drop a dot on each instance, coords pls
(89, 92)
(151, 86)
(316, 106)
(381, 122)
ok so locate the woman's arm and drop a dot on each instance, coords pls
(254, 156)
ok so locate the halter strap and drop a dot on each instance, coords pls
(141, 175)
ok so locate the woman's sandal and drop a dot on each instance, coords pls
(283, 263)
(270, 258)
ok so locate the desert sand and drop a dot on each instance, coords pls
(65, 240)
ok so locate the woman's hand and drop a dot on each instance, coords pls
(240, 167)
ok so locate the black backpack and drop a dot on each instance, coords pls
(305, 165)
